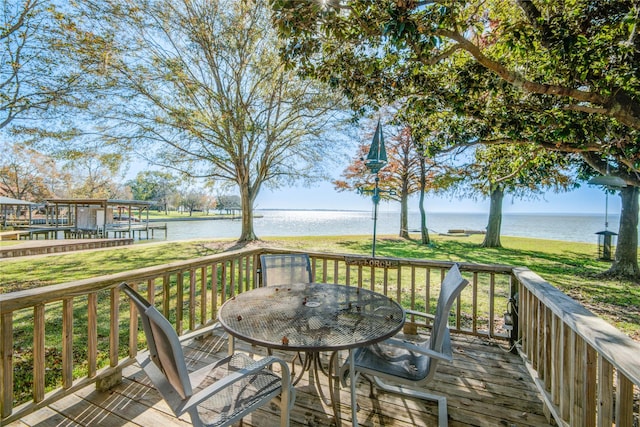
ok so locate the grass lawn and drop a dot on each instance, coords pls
(570, 266)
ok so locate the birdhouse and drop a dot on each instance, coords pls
(606, 241)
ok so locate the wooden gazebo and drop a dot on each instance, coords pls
(12, 211)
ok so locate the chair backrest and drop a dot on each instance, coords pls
(170, 356)
(285, 269)
(141, 305)
(164, 345)
(452, 284)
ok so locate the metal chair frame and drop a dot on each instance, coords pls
(190, 392)
(404, 367)
(285, 269)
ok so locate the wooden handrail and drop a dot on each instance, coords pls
(569, 351)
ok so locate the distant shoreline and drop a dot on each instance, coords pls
(199, 218)
(446, 213)
(216, 217)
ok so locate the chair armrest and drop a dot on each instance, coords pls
(225, 382)
(202, 331)
(419, 313)
(422, 350)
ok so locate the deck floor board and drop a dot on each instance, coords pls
(485, 386)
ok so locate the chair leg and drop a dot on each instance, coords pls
(398, 389)
(287, 398)
(371, 386)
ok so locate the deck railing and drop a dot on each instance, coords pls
(587, 371)
(70, 335)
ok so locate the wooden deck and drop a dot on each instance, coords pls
(42, 247)
(485, 386)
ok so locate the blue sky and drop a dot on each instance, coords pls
(587, 199)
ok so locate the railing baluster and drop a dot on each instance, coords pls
(248, 274)
(38, 353)
(427, 291)
(214, 291)
(534, 336)
(605, 393)
(151, 291)
(203, 295)
(591, 380)
(578, 387)
(179, 302)
(324, 271)
(385, 282)
(67, 342)
(530, 325)
(166, 295)
(492, 307)
(348, 275)
(114, 326)
(568, 345)
(556, 359)
(316, 268)
(240, 278)
(232, 269)
(225, 291)
(133, 326)
(474, 302)
(398, 285)
(413, 288)
(92, 333)
(624, 402)
(546, 354)
(192, 299)
(372, 275)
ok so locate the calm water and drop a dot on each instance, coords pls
(568, 227)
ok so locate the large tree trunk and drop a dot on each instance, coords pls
(492, 238)
(424, 231)
(626, 260)
(404, 212)
(247, 234)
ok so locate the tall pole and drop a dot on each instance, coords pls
(606, 210)
(376, 199)
(376, 159)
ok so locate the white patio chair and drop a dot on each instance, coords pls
(285, 269)
(404, 367)
(219, 394)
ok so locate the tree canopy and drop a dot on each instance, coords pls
(40, 71)
(563, 74)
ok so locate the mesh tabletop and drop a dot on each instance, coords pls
(311, 317)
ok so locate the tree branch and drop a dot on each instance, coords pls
(620, 106)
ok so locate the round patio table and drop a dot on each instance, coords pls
(312, 318)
